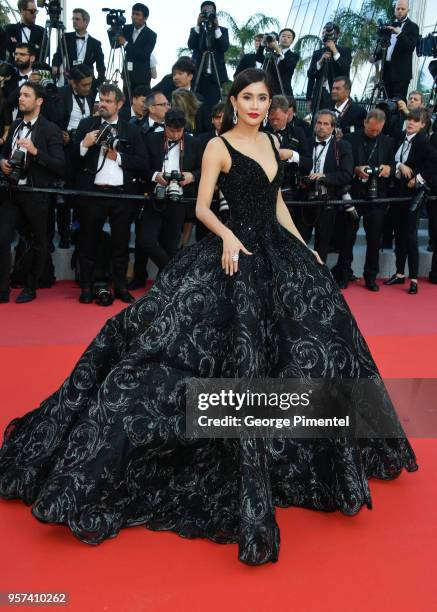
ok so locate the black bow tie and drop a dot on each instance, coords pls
(172, 142)
(26, 124)
(80, 37)
(320, 144)
(157, 125)
(337, 110)
(23, 25)
(24, 77)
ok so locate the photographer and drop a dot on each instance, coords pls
(207, 35)
(416, 163)
(109, 153)
(331, 173)
(249, 59)
(399, 61)
(163, 218)
(284, 58)
(156, 105)
(138, 41)
(25, 32)
(374, 165)
(327, 63)
(294, 147)
(34, 156)
(397, 121)
(350, 115)
(82, 48)
(24, 59)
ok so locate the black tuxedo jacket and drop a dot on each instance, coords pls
(64, 106)
(191, 163)
(13, 34)
(341, 67)
(352, 118)
(339, 164)
(293, 137)
(285, 68)
(384, 154)
(93, 56)
(133, 155)
(247, 61)
(139, 53)
(165, 86)
(402, 59)
(50, 161)
(220, 46)
(422, 159)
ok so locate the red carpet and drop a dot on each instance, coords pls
(382, 559)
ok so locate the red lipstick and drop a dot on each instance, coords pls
(254, 115)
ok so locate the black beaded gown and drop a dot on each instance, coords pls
(108, 449)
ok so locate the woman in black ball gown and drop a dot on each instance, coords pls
(108, 449)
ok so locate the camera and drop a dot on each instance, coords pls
(116, 20)
(420, 197)
(373, 174)
(383, 32)
(173, 191)
(7, 70)
(330, 33)
(103, 296)
(390, 106)
(108, 138)
(53, 8)
(17, 163)
(270, 37)
(427, 46)
(208, 18)
(317, 189)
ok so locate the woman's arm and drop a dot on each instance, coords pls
(213, 162)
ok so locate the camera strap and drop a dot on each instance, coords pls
(17, 131)
(174, 144)
(80, 104)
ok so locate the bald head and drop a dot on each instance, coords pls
(401, 9)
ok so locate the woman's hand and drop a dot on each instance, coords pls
(317, 256)
(232, 246)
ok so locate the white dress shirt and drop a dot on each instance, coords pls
(111, 172)
(171, 161)
(76, 113)
(137, 32)
(81, 48)
(319, 158)
(402, 155)
(25, 34)
(159, 128)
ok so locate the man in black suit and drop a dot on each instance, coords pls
(371, 149)
(107, 169)
(156, 105)
(350, 115)
(138, 41)
(327, 63)
(40, 143)
(162, 220)
(295, 149)
(82, 48)
(26, 31)
(284, 58)
(249, 59)
(208, 30)
(136, 112)
(399, 61)
(333, 168)
(24, 59)
(69, 106)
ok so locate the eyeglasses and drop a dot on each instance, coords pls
(32, 11)
(161, 104)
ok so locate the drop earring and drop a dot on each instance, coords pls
(235, 117)
(265, 120)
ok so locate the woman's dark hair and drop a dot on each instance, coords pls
(241, 81)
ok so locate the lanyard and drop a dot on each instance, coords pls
(167, 150)
(80, 104)
(316, 159)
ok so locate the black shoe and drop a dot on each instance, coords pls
(104, 297)
(413, 288)
(342, 283)
(4, 296)
(432, 279)
(136, 284)
(86, 295)
(371, 285)
(395, 280)
(124, 296)
(27, 295)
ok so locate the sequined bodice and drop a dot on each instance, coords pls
(249, 192)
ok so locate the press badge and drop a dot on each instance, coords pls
(130, 66)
